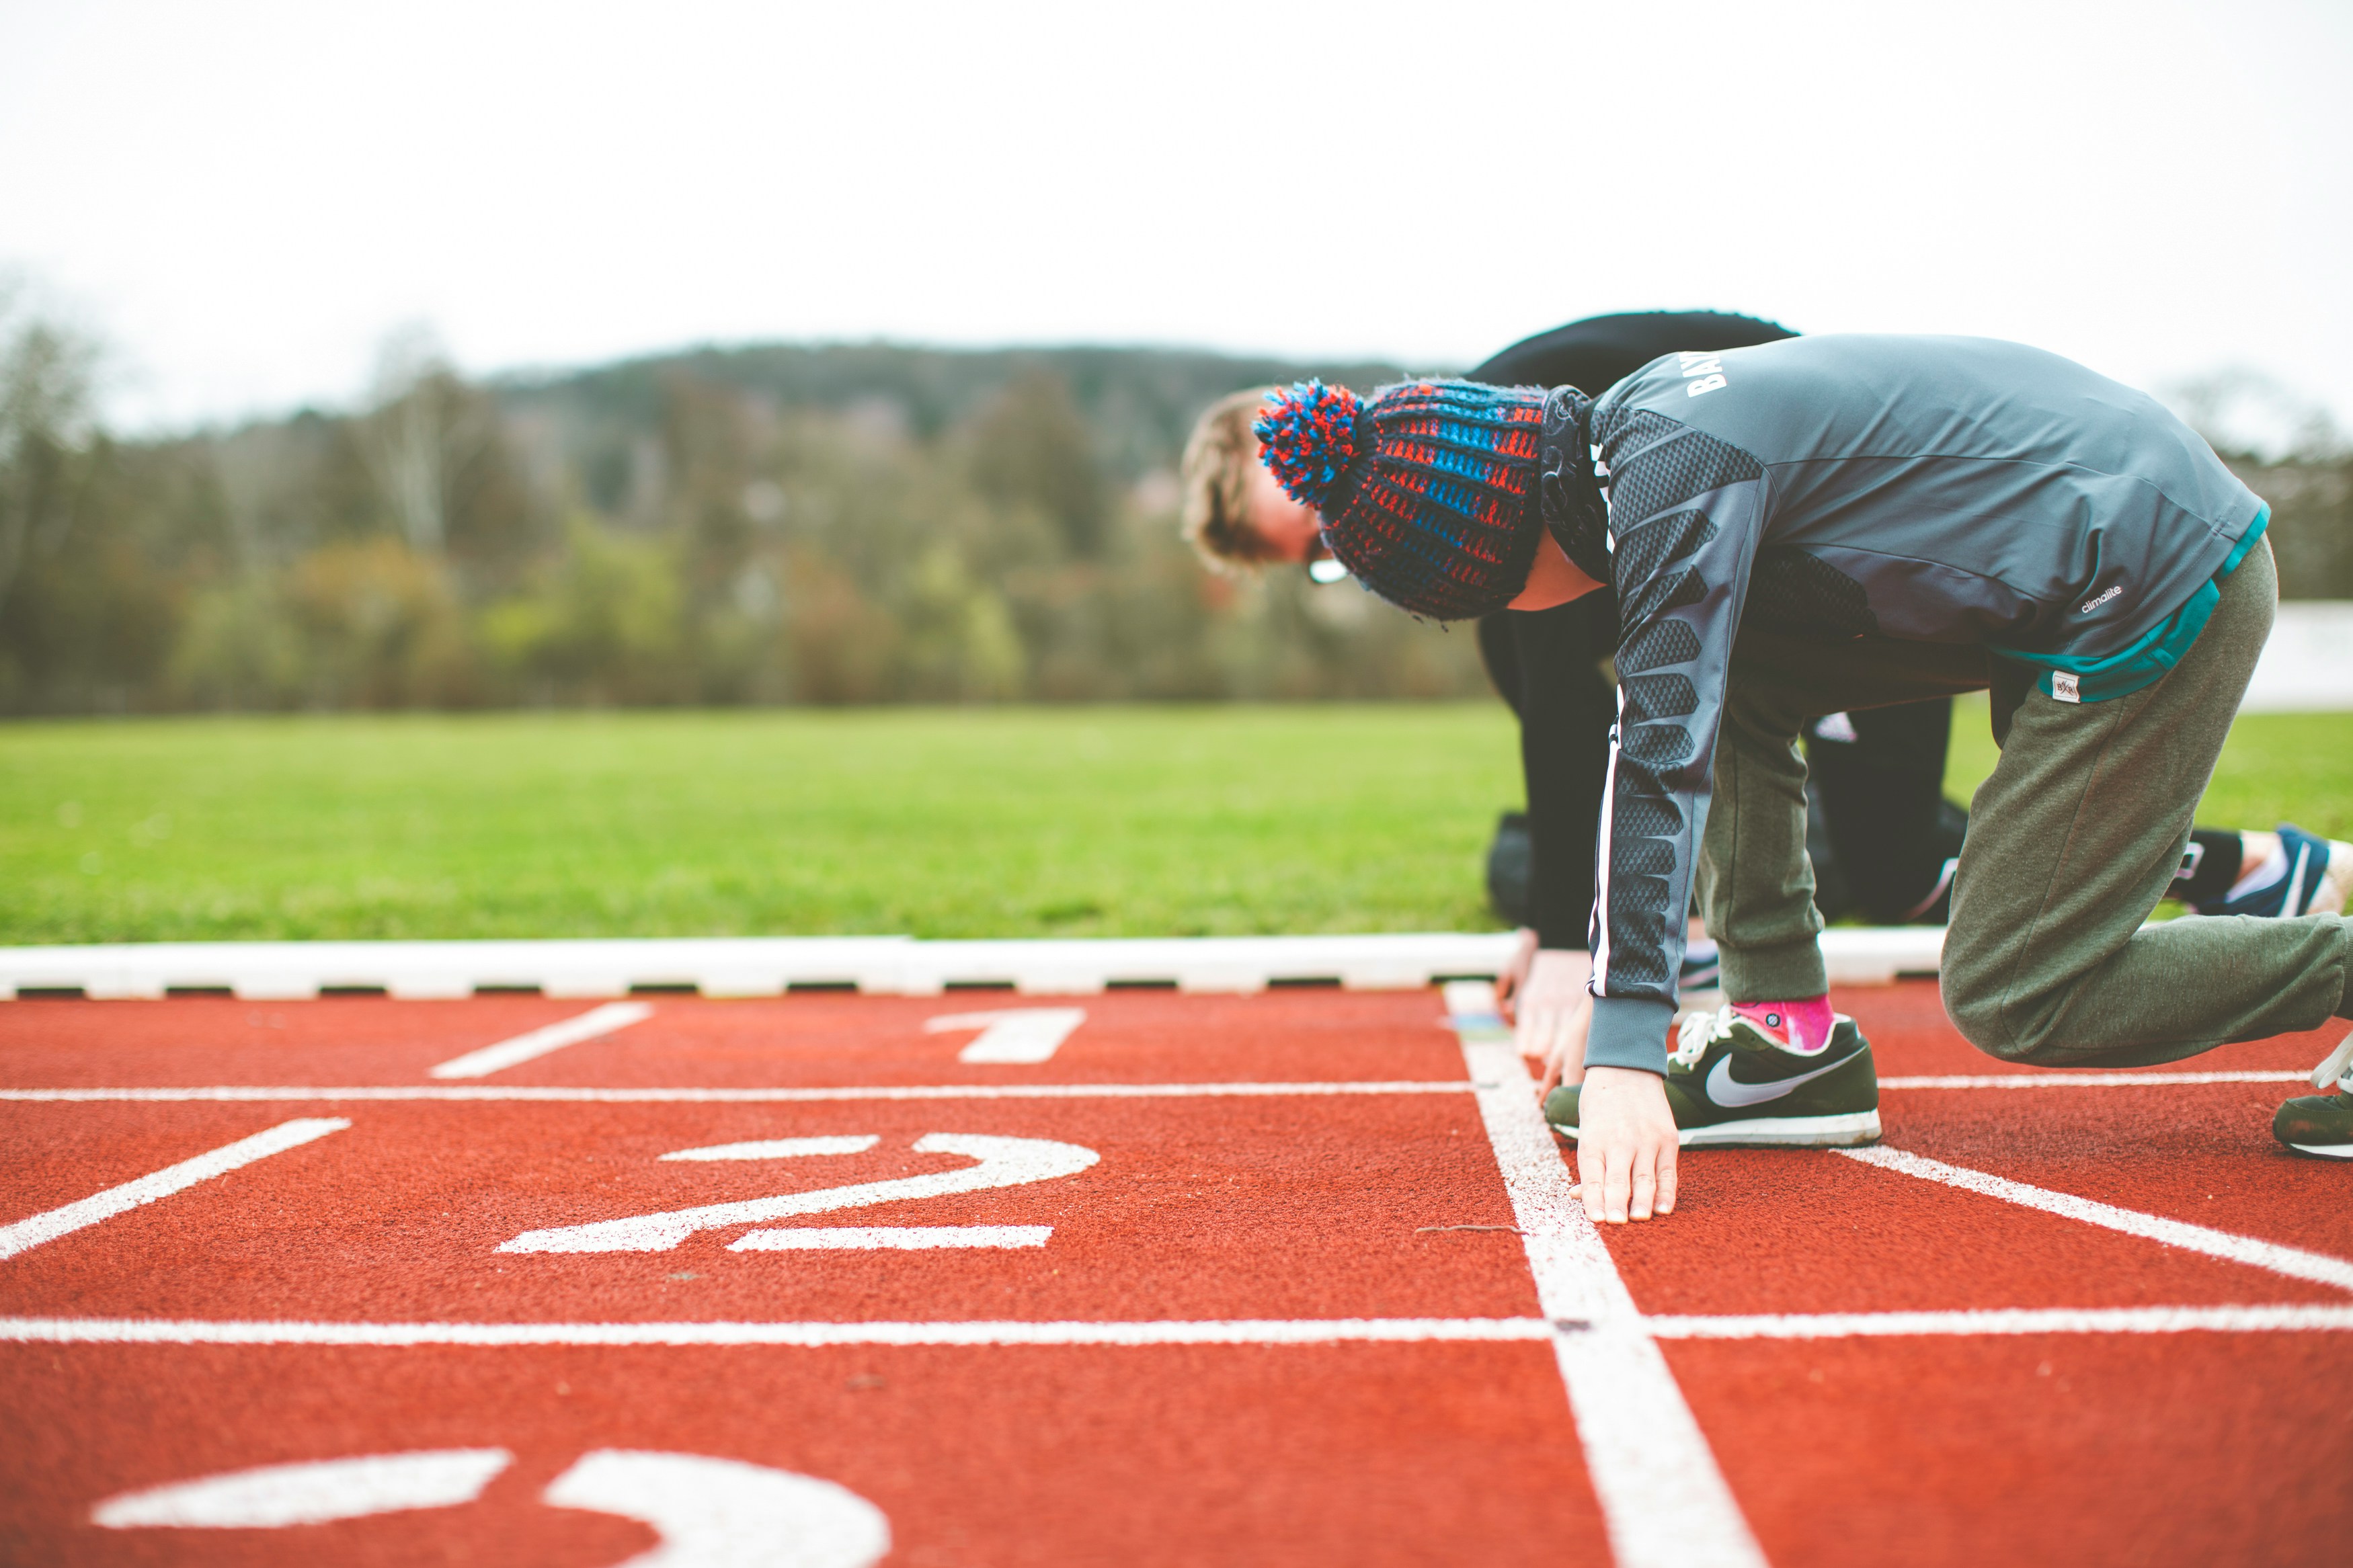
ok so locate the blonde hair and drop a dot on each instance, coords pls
(1215, 480)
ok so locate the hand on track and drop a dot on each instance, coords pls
(1515, 975)
(1625, 1146)
(1551, 1013)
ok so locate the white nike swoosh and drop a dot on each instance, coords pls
(1730, 1093)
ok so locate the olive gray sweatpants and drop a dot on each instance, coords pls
(2070, 844)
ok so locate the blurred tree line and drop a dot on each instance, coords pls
(769, 525)
(863, 523)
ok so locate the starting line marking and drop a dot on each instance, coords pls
(27, 1233)
(571, 1095)
(2293, 1262)
(455, 1094)
(812, 1336)
(528, 1048)
(2009, 1321)
(1663, 1500)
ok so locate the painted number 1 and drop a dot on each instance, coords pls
(1003, 1163)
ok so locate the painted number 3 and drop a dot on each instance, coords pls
(1002, 1163)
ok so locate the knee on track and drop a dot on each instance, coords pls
(1976, 1001)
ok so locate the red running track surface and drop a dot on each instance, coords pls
(2093, 1445)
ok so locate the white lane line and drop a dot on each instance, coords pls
(1209, 1331)
(527, 1048)
(2083, 1079)
(1664, 1500)
(559, 1095)
(27, 1234)
(891, 1237)
(487, 1094)
(1016, 1035)
(2008, 1320)
(2291, 1261)
(1206, 1332)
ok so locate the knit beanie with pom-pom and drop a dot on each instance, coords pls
(1433, 493)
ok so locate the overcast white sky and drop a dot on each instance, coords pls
(245, 197)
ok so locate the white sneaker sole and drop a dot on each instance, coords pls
(2326, 1151)
(1787, 1131)
(1843, 1131)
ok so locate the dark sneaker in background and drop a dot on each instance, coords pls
(2316, 875)
(1729, 1082)
(1703, 971)
(2322, 1123)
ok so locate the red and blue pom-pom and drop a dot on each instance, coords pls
(1306, 434)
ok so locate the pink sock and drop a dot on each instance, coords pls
(1802, 1025)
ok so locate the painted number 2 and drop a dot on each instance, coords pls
(1003, 1163)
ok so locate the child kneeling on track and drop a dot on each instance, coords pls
(1832, 524)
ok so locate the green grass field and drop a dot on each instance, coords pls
(1010, 823)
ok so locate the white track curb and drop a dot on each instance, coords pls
(882, 965)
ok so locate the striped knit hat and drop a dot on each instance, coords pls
(1428, 492)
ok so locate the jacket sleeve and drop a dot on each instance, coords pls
(1685, 511)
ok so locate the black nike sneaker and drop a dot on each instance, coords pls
(2322, 1123)
(1730, 1082)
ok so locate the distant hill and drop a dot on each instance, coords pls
(1139, 402)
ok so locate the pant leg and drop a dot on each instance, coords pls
(2073, 841)
(1499, 651)
(1882, 793)
(1756, 881)
(1756, 886)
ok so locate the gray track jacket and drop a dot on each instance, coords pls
(1936, 489)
